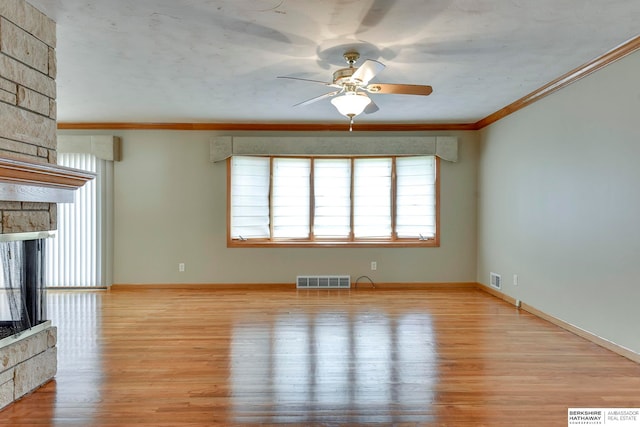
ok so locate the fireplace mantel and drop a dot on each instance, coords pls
(23, 181)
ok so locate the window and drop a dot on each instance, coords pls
(330, 201)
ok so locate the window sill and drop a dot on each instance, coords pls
(431, 243)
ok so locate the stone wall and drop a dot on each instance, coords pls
(27, 133)
(27, 104)
(26, 364)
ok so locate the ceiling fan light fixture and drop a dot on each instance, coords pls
(351, 103)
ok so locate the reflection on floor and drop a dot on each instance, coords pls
(382, 369)
(77, 316)
(201, 357)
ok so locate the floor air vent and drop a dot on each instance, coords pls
(323, 282)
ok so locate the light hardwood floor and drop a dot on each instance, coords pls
(194, 357)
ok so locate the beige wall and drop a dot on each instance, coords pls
(559, 203)
(170, 207)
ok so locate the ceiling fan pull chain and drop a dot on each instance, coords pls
(351, 124)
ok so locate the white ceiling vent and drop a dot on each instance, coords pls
(323, 282)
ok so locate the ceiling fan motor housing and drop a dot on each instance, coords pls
(343, 76)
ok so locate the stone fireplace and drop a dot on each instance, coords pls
(28, 350)
(31, 186)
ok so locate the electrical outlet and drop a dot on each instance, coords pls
(515, 280)
(374, 265)
(181, 267)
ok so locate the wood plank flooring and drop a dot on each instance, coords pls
(196, 357)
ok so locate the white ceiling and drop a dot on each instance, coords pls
(217, 60)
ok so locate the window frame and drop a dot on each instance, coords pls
(351, 241)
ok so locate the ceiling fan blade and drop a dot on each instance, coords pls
(317, 98)
(367, 71)
(371, 108)
(399, 89)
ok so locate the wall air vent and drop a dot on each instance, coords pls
(323, 282)
(495, 280)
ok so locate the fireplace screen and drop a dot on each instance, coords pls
(22, 293)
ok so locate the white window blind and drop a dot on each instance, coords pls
(250, 197)
(74, 258)
(332, 197)
(372, 198)
(415, 197)
(291, 197)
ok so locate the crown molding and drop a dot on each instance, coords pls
(565, 80)
(300, 127)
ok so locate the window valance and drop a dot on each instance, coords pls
(223, 147)
(105, 147)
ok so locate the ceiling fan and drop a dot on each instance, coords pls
(352, 85)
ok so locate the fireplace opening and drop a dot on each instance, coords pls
(22, 291)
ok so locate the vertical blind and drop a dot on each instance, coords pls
(73, 258)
